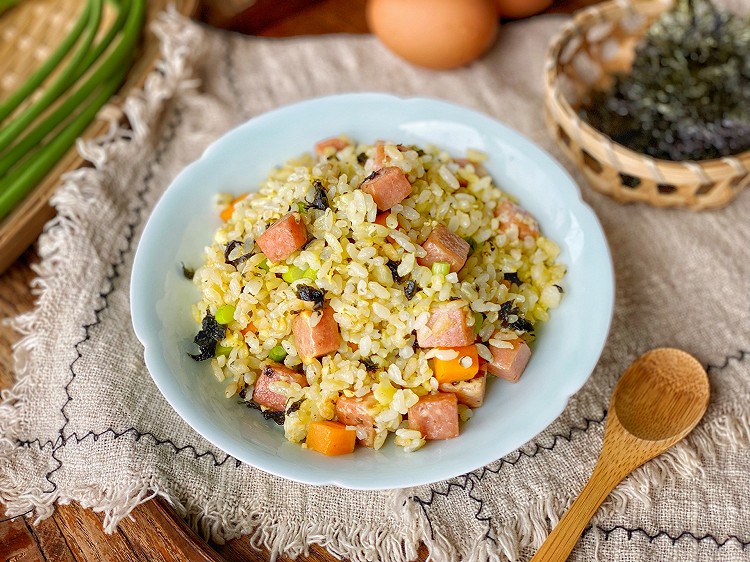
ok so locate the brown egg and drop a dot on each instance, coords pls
(515, 9)
(438, 34)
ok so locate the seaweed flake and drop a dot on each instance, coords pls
(188, 272)
(361, 158)
(207, 337)
(320, 201)
(311, 294)
(512, 277)
(522, 325)
(236, 262)
(410, 289)
(393, 266)
(370, 366)
(294, 406)
(558, 287)
(371, 176)
(275, 415)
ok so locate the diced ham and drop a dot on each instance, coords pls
(435, 416)
(508, 363)
(314, 341)
(336, 142)
(388, 187)
(511, 214)
(357, 412)
(469, 392)
(446, 326)
(442, 245)
(379, 155)
(283, 238)
(271, 373)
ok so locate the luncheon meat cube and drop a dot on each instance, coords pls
(315, 339)
(388, 186)
(357, 412)
(283, 238)
(435, 416)
(335, 142)
(442, 245)
(511, 214)
(446, 326)
(271, 373)
(469, 392)
(508, 363)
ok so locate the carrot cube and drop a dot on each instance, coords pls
(463, 367)
(330, 438)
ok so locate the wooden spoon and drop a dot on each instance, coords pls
(658, 401)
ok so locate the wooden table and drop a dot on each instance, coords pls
(155, 532)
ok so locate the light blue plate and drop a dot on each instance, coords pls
(183, 223)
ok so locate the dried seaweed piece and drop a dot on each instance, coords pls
(362, 158)
(320, 200)
(276, 416)
(520, 324)
(393, 266)
(311, 294)
(187, 272)
(410, 289)
(687, 96)
(293, 407)
(512, 277)
(208, 336)
(235, 262)
(369, 364)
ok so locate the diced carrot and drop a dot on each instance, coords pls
(380, 218)
(461, 368)
(353, 346)
(330, 438)
(249, 328)
(228, 211)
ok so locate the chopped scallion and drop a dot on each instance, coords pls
(293, 274)
(277, 354)
(441, 268)
(222, 350)
(225, 314)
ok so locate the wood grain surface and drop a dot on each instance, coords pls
(155, 532)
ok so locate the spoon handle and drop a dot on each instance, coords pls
(562, 539)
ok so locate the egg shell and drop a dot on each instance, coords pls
(437, 34)
(516, 9)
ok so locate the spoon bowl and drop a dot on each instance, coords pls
(659, 399)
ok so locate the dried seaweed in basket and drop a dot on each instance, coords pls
(687, 96)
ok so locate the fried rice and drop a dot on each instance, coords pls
(366, 263)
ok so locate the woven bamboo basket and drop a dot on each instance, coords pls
(599, 42)
(29, 32)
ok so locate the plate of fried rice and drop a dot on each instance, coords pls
(371, 292)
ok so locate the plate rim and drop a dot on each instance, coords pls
(145, 333)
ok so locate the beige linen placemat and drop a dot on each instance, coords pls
(85, 422)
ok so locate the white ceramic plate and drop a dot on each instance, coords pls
(183, 223)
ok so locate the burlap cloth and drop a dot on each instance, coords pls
(85, 422)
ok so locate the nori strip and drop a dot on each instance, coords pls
(294, 406)
(236, 262)
(188, 272)
(274, 415)
(410, 289)
(320, 201)
(370, 366)
(393, 266)
(311, 294)
(512, 277)
(207, 337)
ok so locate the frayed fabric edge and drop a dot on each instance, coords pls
(180, 43)
(731, 430)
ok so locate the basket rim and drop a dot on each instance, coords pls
(564, 115)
